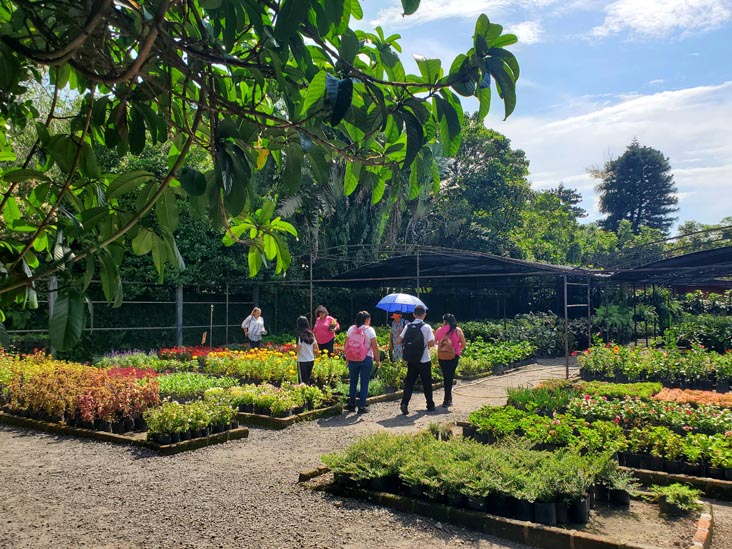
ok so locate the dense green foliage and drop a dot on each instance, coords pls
(287, 88)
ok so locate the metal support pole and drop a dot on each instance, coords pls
(52, 289)
(635, 317)
(566, 331)
(227, 313)
(210, 329)
(310, 315)
(417, 271)
(179, 315)
(589, 314)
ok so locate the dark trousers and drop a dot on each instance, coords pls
(423, 370)
(255, 344)
(305, 371)
(448, 368)
(327, 346)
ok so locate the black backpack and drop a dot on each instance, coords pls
(413, 345)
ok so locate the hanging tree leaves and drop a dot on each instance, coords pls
(251, 82)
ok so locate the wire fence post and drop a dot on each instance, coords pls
(566, 331)
(210, 329)
(227, 313)
(179, 315)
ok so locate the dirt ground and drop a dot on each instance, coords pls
(58, 491)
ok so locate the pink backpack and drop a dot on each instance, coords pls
(357, 345)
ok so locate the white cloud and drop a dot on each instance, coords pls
(434, 10)
(528, 32)
(657, 82)
(690, 126)
(657, 18)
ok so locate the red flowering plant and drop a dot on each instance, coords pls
(134, 373)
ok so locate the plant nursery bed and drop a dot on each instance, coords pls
(639, 527)
(713, 488)
(133, 439)
(284, 422)
(511, 368)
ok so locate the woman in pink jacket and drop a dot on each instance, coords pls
(325, 329)
(450, 344)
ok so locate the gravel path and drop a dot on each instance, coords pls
(60, 491)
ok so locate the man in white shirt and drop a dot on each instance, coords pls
(421, 367)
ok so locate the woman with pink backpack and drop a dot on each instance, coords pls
(361, 350)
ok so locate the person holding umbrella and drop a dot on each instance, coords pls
(397, 326)
(417, 338)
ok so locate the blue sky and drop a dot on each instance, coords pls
(594, 75)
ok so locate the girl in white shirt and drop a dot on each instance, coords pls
(306, 349)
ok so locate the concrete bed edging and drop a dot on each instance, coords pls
(529, 533)
(138, 439)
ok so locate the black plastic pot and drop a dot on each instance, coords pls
(671, 509)
(653, 463)
(694, 469)
(477, 503)
(524, 510)
(456, 499)
(601, 493)
(196, 433)
(728, 473)
(673, 467)
(715, 472)
(723, 386)
(561, 510)
(545, 513)
(578, 510)
(621, 498)
(185, 435)
(162, 438)
(633, 460)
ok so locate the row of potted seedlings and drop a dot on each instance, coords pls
(695, 368)
(480, 357)
(509, 479)
(173, 422)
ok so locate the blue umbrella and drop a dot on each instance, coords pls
(402, 303)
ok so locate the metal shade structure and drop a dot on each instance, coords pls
(399, 303)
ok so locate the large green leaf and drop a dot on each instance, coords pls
(292, 175)
(192, 181)
(410, 6)
(127, 182)
(67, 320)
(315, 92)
(415, 137)
(166, 211)
(18, 175)
(143, 242)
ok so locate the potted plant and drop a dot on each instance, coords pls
(620, 485)
(676, 499)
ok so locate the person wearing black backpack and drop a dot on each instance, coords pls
(416, 340)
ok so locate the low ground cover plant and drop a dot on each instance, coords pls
(462, 467)
(188, 385)
(678, 498)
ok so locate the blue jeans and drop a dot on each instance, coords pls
(360, 370)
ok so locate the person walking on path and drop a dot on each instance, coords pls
(325, 328)
(417, 338)
(450, 344)
(253, 328)
(306, 350)
(362, 351)
(397, 326)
